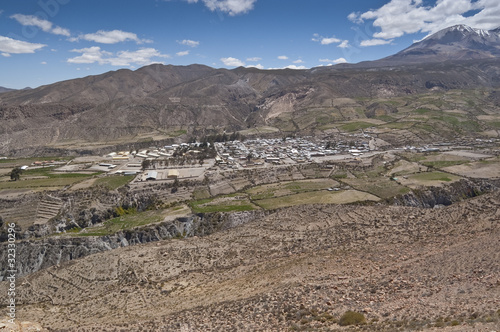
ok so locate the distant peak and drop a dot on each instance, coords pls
(461, 27)
(460, 31)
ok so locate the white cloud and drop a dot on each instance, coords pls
(399, 17)
(258, 66)
(61, 31)
(10, 46)
(89, 55)
(330, 40)
(6, 55)
(355, 17)
(283, 57)
(43, 62)
(112, 37)
(344, 44)
(254, 59)
(231, 7)
(188, 42)
(183, 53)
(140, 57)
(298, 61)
(339, 60)
(31, 20)
(295, 67)
(374, 42)
(232, 62)
(94, 54)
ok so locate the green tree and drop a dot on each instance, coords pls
(145, 164)
(15, 174)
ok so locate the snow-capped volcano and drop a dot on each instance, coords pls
(459, 42)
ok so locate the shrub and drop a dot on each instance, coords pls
(352, 318)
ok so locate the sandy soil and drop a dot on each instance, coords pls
(297, 268)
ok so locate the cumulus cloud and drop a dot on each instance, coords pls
(399, 17)
(339, 60)
(188, 42)
(10, 46)
(283, 57)
(231, 7)
(258, 66)
(94, 54)
(183, 53)
(330, 40)
(141, 57)
(298, 61)
(254, 59)
(374, 42)
(344, 44)
(232, 62)
(295, 67)
(113, 37)
(89, 55)
(44, 25)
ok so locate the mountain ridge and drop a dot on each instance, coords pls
(165, 101)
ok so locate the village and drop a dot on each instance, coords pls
(193, 160)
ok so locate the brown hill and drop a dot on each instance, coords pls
(298, 268)
(160, 102)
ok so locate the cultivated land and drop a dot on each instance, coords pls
(303, 241)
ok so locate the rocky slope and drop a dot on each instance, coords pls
(299, 268)
(37, 254)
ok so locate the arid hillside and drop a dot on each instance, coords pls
(299, 268)
(160, 102)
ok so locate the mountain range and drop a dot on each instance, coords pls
(2, 89)
(164, 101)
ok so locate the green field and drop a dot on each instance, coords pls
(431, 178)
(130, 220)
(29, 161)
(42, 178)
(227, 203)
(288, 188)
(114, 182)
(50, 173)
(39, 183)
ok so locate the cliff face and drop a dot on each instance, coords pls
(38, 254)
(443, 196)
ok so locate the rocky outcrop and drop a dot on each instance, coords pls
(34, 255)
(431, 197)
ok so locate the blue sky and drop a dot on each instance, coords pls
(45, 41)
